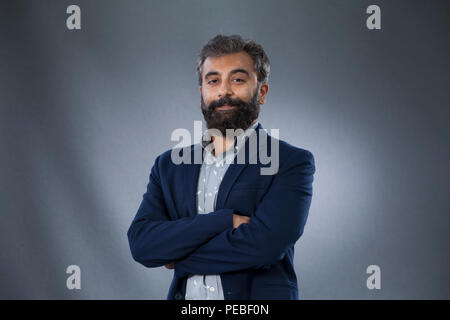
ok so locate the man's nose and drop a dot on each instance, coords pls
(225, 89)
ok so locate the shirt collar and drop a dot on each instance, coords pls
(239, 141)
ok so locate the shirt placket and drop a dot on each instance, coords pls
(212, 174)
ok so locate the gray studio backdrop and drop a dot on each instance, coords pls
(84, 113)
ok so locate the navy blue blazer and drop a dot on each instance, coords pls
(255, 260)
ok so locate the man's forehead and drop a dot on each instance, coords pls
(225, 63)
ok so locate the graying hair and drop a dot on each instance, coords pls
(222, 45)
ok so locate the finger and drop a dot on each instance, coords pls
(170, 265)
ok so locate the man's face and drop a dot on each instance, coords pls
(230, 95)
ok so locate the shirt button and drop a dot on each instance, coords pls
(211, 289)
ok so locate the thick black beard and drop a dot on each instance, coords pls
(240, 118)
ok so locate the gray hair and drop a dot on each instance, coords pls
(221, 45)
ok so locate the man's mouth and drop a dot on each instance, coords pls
(226, 107)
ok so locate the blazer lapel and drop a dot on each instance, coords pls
(192, 171)
(190, 175)
(235, 169)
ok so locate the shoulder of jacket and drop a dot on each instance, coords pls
(292, 152)
(165, 158)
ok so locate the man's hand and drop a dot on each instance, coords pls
(170, 265)
(237, 220)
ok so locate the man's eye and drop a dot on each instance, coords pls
(239, 80)
(212, 81)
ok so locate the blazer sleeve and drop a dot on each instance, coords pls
(278, 222)
(155, 240)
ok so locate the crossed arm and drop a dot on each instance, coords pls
(237, 221)
(223, 241)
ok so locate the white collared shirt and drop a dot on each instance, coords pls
(209, 287)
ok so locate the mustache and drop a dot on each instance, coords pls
(241, 118)
(225, 101)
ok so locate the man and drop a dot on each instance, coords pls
(226, 229)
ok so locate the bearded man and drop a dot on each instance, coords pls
(226, 229)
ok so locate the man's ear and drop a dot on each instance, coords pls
(263, 93)
(200, 88)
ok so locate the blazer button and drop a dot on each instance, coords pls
(178, 296)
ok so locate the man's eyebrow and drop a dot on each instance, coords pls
(211, 73)
(240, 70)
(214, 73)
